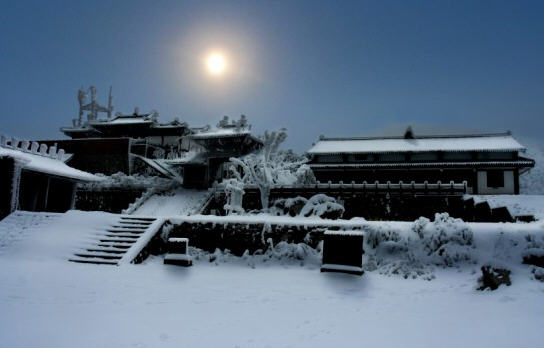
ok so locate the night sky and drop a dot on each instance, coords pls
(334, 67)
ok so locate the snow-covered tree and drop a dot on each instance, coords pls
(269, 167)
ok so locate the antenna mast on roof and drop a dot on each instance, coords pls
(93, 107)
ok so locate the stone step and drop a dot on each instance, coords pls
(115, 230)
(133, 218)
(107, 250)
(116, 246)
(106, 256)
(122, 235)
(118, 240)
(94, 261)
(133, 227)
(113, 243)
(135, 222)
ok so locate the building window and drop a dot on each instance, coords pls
(457, 156)
(360, 157)
(423, 156)
(493, 156)
(392, 157)
(495, 178)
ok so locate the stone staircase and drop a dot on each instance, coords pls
(121, 242)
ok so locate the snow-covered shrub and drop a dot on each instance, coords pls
(288, 206)
(413, 252)
(292, 251)
(319, 205)
(282, 253)
(493, 277)
(538, 273)
(322, 206)
(445, 240)
(305, 175)
(121, 180)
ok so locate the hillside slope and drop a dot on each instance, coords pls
(532, 183)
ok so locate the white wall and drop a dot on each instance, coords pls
(509, 187)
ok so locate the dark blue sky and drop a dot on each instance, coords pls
(333, 68)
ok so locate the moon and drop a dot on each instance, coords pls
(216, 64)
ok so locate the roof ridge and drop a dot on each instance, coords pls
(34, 148)
(443, 136)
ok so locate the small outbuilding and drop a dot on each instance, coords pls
(34, 177)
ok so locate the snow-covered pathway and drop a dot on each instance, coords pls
(178, 202)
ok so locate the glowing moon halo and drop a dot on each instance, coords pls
(216, 64)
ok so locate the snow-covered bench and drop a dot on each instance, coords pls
(178, 252)
(343, 252)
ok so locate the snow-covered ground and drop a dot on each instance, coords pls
(177, 202)
(46, 301)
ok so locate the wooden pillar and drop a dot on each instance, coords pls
(475, 179)
(516, 181)
(46, 194)
(15, 185)
(73, 202)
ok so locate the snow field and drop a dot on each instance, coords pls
(231, 305)
(279, 299)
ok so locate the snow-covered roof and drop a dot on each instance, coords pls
(483, 142)
(136, 119)
(124, 120)
(190, 157)
(173, 124)
(45, 164)
(456, 164)
(220, 133)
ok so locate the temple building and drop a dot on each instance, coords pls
(139, 143)
(488, 163)
(35, 177)
(209, 150)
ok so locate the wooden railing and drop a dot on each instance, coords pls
(412, 187)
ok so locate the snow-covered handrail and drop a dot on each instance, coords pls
(140, 201)
(206, 201)
(142, 242)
